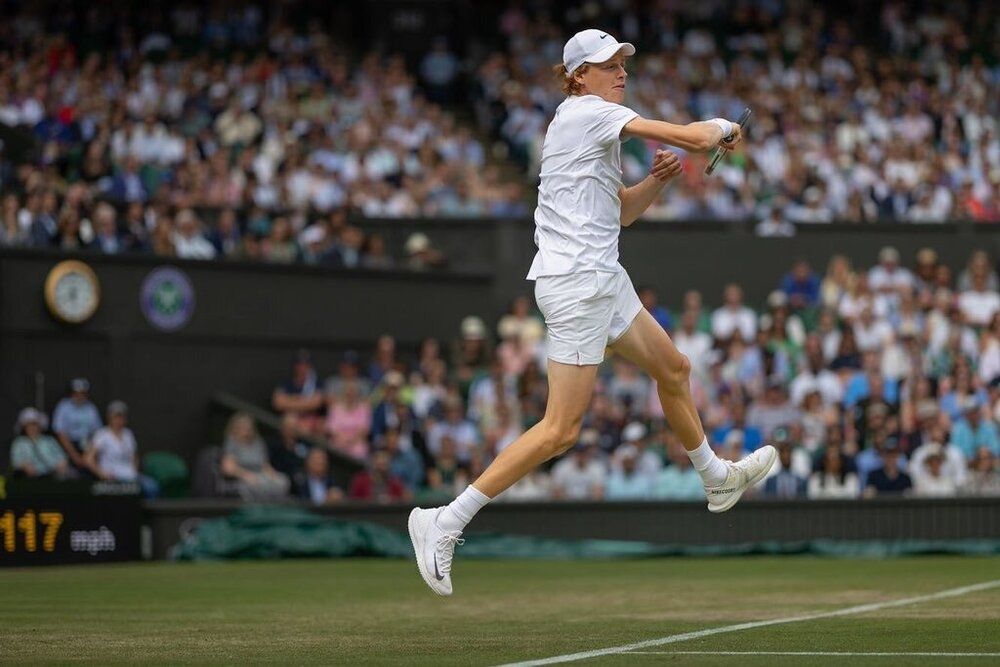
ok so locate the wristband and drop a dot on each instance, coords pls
(724, 125)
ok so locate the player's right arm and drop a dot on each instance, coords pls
(697, 137)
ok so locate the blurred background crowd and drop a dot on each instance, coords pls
(258, 130)
(869, 380)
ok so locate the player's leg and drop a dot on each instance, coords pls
(570, 391)
(647, 345)
(435, 532)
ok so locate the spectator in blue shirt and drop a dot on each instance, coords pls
(74, 421)
(629, 482)
(649, 299)
(801, 284)
(786, 484)
(752, 437)
(407, 464)
(971, 431)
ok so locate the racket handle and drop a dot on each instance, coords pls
(720, 151)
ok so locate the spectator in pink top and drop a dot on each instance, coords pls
(349, 422)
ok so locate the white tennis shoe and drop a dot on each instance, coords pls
(742, 475)
(434, 548)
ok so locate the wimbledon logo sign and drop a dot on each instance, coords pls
(167, 298)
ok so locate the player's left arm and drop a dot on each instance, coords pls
(636, 199)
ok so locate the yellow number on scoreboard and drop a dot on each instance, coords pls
(7, 528)
(51, 521)
(26, 524)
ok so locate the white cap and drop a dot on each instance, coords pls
(592, 46)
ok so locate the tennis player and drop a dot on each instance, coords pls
(586, 296)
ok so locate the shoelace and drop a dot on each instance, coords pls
(446, 547)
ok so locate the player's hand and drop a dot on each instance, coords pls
(666, 165)
(733, 139)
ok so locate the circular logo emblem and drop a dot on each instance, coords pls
(167, 298)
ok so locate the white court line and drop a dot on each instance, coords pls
(917, 654)
(697, 634)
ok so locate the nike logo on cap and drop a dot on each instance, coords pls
(437, 574)
(603, 36)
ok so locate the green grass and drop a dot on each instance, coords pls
(380, 612)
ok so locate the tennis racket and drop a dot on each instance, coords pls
(744, 123)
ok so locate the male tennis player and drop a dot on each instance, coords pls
(586, 296)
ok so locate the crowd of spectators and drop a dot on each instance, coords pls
(863, 111)
(234, 136)
(212, 132)
(869, 381)
(79, 445)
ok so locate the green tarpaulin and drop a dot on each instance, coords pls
(279, 532)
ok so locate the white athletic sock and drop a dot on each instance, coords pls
(460, 511)
(711, 468)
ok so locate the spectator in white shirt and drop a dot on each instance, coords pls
(581, 475)
(835, 477)
(979, 303)
(929, 477)
(733, 317)
(113, 452)
(888, 277)
(189, 243)
(870, 333)
(816, 377)
(697, 345)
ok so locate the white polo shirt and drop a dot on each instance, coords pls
(577, 220)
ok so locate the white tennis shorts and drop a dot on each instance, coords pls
(585, 312)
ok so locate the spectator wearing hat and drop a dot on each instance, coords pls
(678, 480)
(472, 354)
(74, 421)
(929, 477)
(528, 326)
(971, 432)
(581, 475)
(113, 454)
(627, 481)
(953, 461)
(648, 462)
(421, 255)
(984, 475)
(890, 478)
(512, 352)
(300, 395)
(34, 454)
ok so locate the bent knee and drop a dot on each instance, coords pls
(561, 437)
(673, 374)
